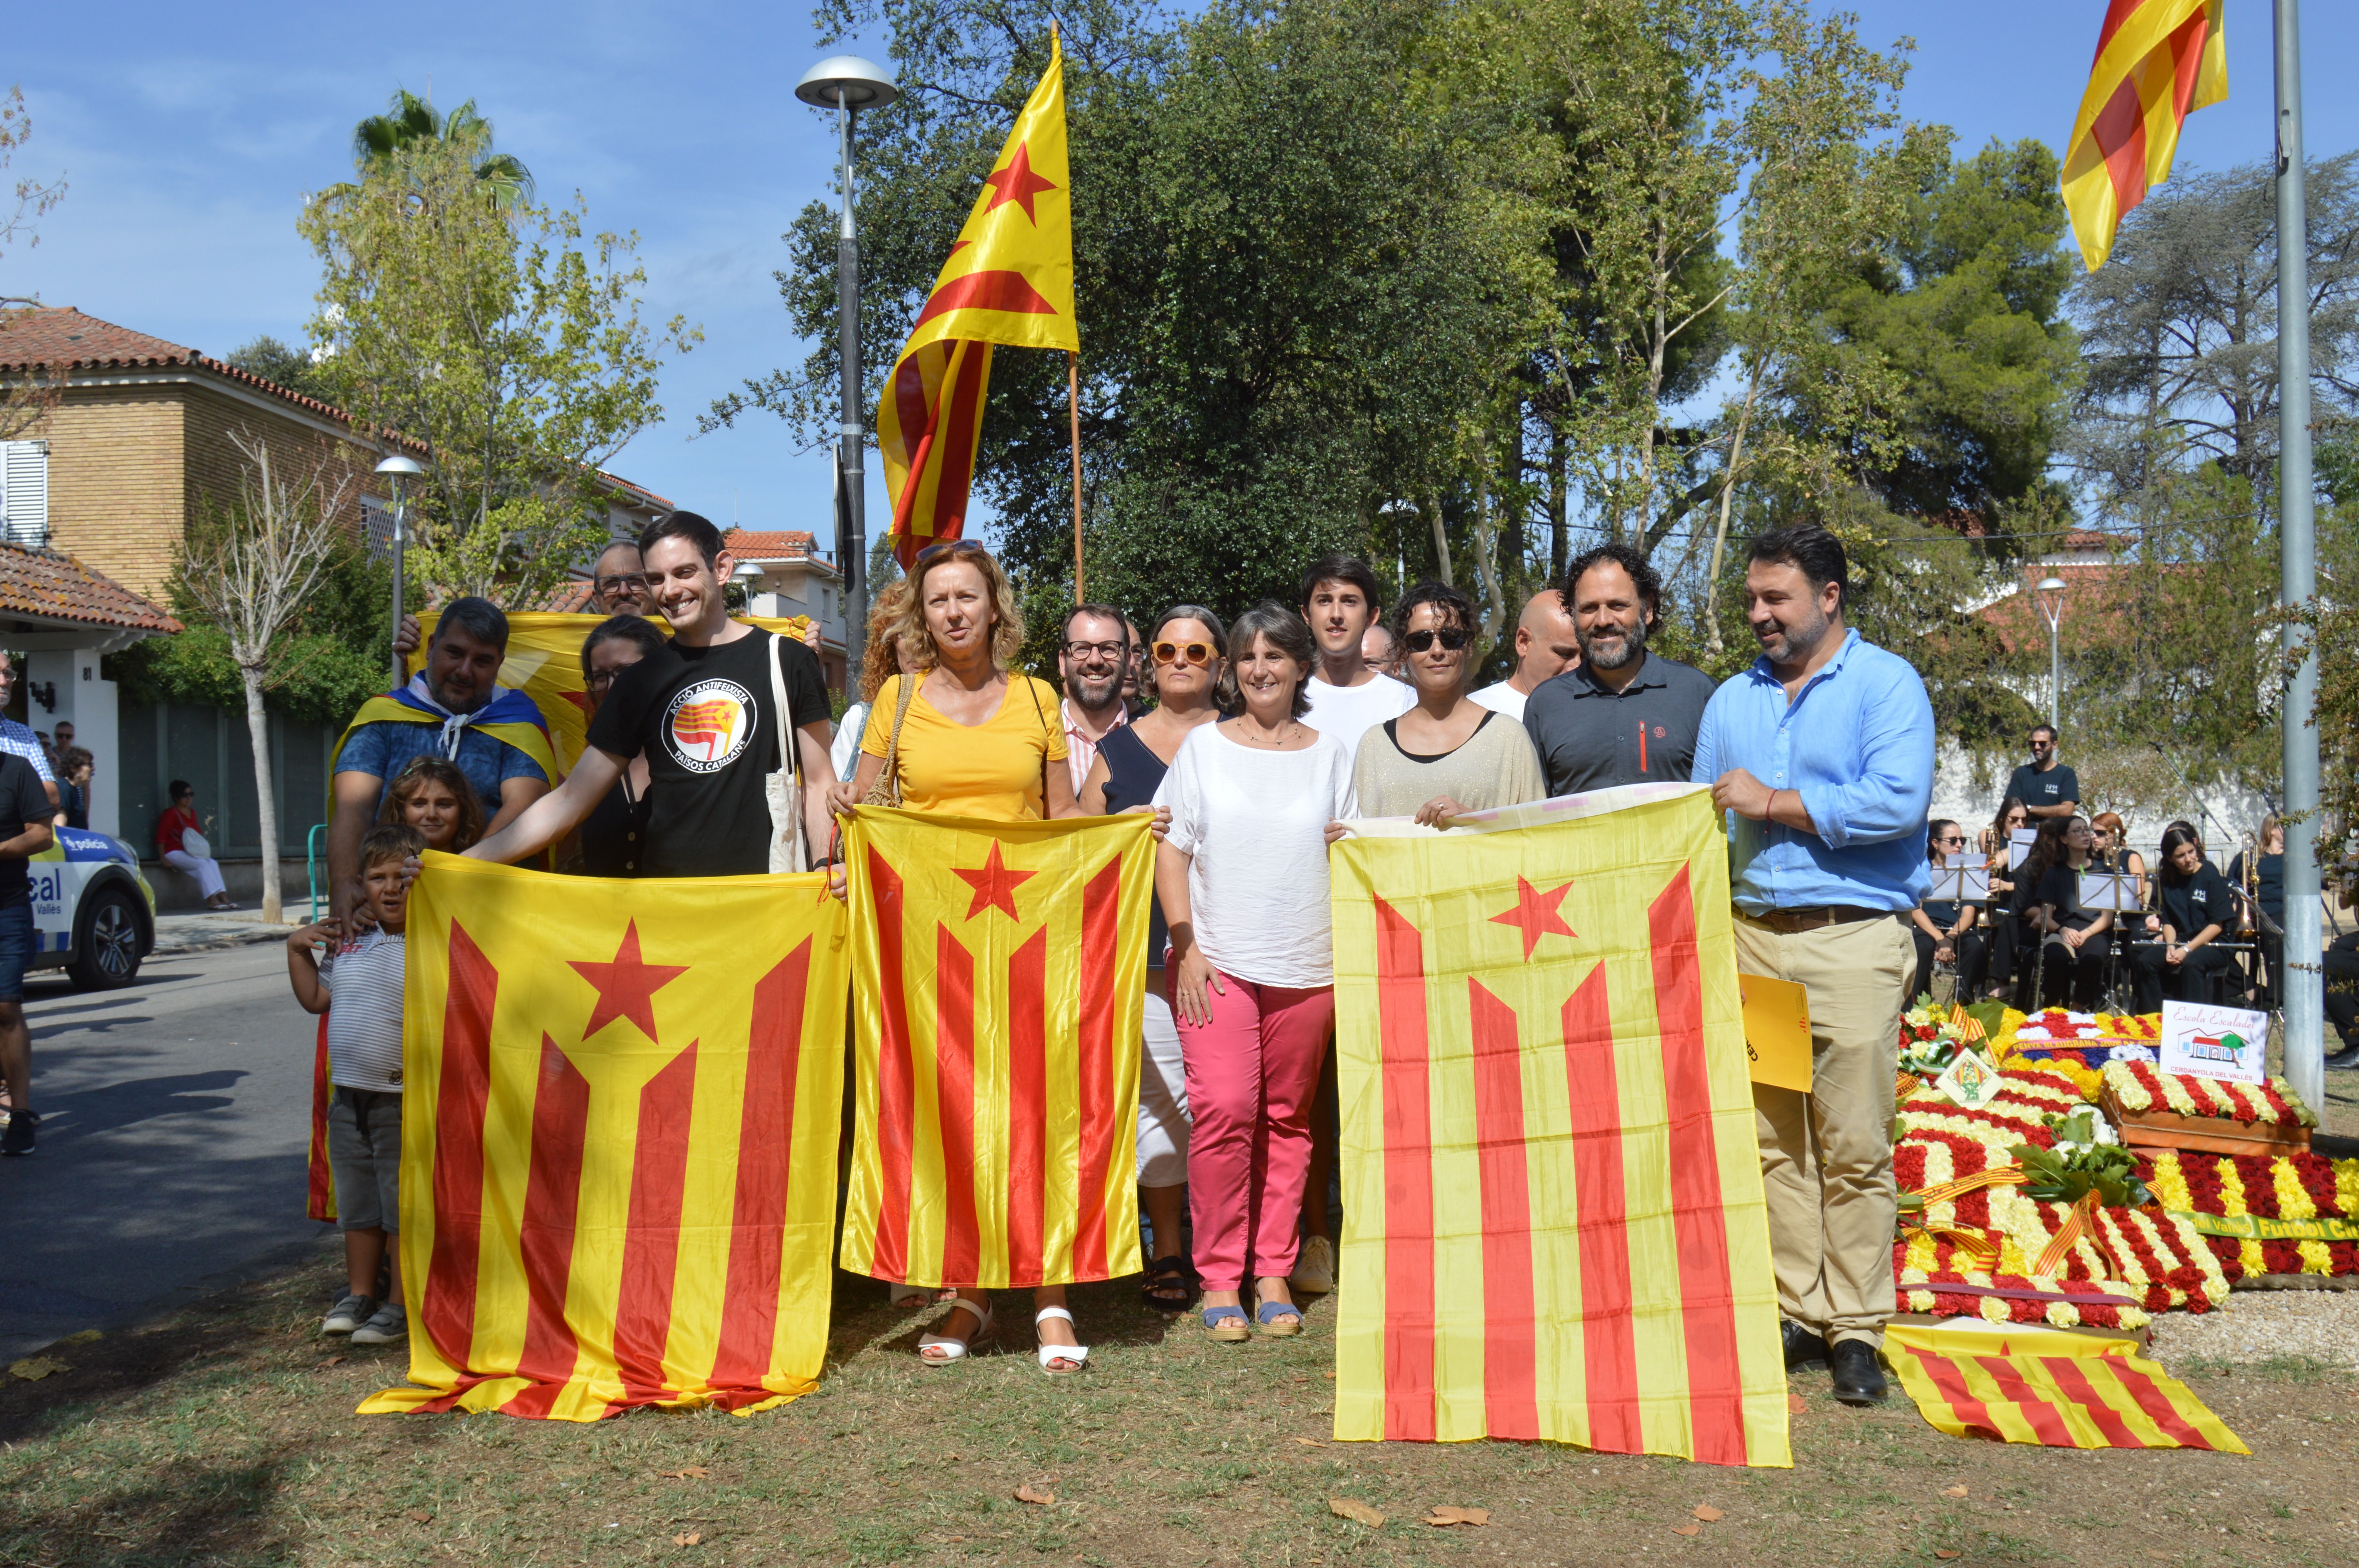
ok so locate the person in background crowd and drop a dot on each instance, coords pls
(19, 740)
(2195, 911)
(1547, 644)
(1347, 695)
(2342, 978)
(1945, 930)
(2049, 790)
(1186, 669)
(1242, 875)
(65, 734)
(1446, 755)
(1380, 652)
(1821, 756)
(618, 581)
(2260, 880)
(1622, 715)
(1136, 674)
(172, 830)
(881, 656)
(2109, 839)
(1093, 660)
(431, 799)
(612, 838)
(2072, 950)
(978, 740)
(74, 797)
(2007, 892)
(25, 807)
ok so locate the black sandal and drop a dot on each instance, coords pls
(1170, 1285)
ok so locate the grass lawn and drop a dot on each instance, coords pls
(225, 1436)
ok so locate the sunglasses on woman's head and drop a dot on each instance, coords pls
(1194, 653)
(1453, 638)
(950, 547)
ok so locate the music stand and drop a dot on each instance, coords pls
(2116, 891)
(2019, 841)
(1956, 882)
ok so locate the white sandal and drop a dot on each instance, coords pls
(1079, 1354)
(956, 1350)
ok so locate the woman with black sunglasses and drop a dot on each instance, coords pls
(1944, 929)
(1445, 756)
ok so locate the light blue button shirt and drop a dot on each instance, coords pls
(1856, 744)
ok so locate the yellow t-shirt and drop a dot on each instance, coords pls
(992, 769)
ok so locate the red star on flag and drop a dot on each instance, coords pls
(1017, 183)
(1535, 913)
(627, 986)
(994, 885)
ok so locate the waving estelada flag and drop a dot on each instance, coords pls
(1001, 968)
(1553, 1217)
(620, 1109)
(2157, 61)
(2047, 1387)
(1009, 279)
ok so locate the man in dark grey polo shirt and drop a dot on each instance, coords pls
(1622, 715)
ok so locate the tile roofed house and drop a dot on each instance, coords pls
(796, 577)
(43, 592)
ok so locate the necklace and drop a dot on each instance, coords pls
(1278, 738)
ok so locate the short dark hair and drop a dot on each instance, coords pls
(2046, 729)
(1643, 575)
(478, 618)
(636, 629)
(1344, 568)
(696, 529)
(1288, 632)
(1104, 613)
(390, 841)
(1447, 600)
(1817, 553)
(178, 789)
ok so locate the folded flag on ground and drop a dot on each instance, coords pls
(2047, 1387)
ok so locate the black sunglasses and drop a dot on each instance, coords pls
(1453, 638)
(950, 547)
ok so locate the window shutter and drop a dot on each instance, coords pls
(25, 492)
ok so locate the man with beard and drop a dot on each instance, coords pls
(1821, 759)
(1622, 715)
(1094, 660)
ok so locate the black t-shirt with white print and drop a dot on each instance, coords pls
(702, 715)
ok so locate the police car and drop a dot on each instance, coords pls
(94, 914)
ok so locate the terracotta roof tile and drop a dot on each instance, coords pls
(43, 582)
(771, 545)
(63, 339)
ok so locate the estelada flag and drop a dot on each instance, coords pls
(1554, 1221)
(620, 1107)
(2044, 1386)
(2157, 61)
(1001, 968)
(1009, 279)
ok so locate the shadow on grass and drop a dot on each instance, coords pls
(105, 1372)
(181, 1511)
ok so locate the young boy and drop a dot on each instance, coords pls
(364, 977)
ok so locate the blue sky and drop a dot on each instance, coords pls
(188, 135)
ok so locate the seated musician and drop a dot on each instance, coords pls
(1944, 929)
(2073, 948)
(2195, 908)
(2007, 898)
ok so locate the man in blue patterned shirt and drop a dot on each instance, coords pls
(18, 740)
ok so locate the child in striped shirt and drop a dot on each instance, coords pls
(362, 976)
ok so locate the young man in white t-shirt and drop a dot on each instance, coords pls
(1341, 601)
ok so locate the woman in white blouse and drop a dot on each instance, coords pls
(1242, 874)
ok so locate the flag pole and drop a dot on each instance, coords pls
(1073, 408)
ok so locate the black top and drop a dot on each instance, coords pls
(2054, 787)
(23, 802)
(75, 801)
(614, 837)
(2268, 882)
(1591, 737)
(1392, 734)
(2202, 900)
(2061, 887)
(702, 715)
(1944, 914)
(1134, 773)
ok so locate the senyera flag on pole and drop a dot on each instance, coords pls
(620, 1109)
(2157, 61)
(1553, 1216)
(1001, 968)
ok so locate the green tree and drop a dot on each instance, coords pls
(285, 366)
(410, 122)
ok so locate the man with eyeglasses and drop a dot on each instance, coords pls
(2044, 786)
(1093, 660)
(1622, 715)
(618, 581)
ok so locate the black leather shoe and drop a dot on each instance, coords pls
(1803, 1348)
(2344, 1061)
(1859, 1377)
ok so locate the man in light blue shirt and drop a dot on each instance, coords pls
(1821, 757)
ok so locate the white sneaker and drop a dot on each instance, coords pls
(1314, 1267)
(347, 1314)
(387, 1326)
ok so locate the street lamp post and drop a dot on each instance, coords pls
(398, 469)
(2051, 610)
(847, 84)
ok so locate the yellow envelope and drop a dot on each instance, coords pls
(1776, 1031)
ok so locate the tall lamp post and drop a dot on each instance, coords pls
(847, 84)
(2051, 610)
(400, 468)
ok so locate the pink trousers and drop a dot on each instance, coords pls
(1251, 1072)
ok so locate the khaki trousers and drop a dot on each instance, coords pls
(1826, 1156)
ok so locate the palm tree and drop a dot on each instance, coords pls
(411, 121)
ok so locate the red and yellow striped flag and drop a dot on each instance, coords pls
(620, 1109)
(1553, 1217)
(1009, 279)
(2014, 1384)
(2157, 61)
(1001, 968)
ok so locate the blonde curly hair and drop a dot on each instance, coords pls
(878, 661)
(1008, 621)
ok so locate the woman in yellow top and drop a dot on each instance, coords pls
(977, 741)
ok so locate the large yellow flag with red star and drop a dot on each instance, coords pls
(2157, 61)
(1554, 1221)
(620, 1107)
(1001, 968)
(1009, 279)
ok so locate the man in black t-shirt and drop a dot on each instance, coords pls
(24, 812)
(704, 710)
(2046, 786)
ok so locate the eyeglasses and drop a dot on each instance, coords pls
(1951, 838)
(1097, 650)
(598, 680)
(617, 584)
(949, 547)
(1194, 653)
(1453, 638)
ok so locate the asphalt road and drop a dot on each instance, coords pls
(173, 1118)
